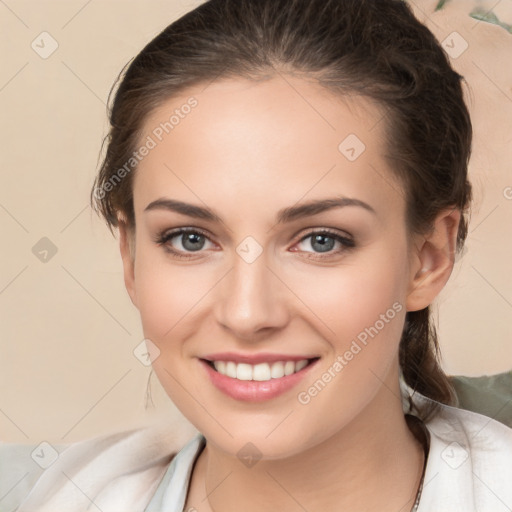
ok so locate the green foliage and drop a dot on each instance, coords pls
(479, 14)
(489, 17)
(440, 4)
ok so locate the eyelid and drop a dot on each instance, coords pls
(331, 231)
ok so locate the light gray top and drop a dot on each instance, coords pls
(172, 491)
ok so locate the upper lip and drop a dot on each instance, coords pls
(262, 357)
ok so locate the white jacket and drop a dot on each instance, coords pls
(469, 469)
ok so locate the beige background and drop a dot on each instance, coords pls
(68, 328)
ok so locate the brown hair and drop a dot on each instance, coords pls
(377, 49)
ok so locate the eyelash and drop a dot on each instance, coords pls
(163, 238)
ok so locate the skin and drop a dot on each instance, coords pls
(247, 150)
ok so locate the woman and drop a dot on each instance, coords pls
(289, 181)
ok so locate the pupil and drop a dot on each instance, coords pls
(324, 247)
(192, 238)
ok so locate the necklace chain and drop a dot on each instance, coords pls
(418, 494)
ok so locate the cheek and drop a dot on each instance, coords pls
(361, 311)
(169, 294)
(353, 296)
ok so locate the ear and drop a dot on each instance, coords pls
(127, 249)
(432, 260)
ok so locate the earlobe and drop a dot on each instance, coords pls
(433, 260)
(126, 247)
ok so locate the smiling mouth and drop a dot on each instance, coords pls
(261, 371)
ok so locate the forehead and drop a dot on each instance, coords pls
(251, 139)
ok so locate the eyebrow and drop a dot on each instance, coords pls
(288, 214)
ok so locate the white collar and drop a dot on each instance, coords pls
(469, 468)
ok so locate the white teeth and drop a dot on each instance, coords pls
(259, 372)
(289, 367)
(243, 371)
(301, 364)
(230, 369)
(220, 366)
(277, 370)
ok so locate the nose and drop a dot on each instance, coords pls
(252, 300)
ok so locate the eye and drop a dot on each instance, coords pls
(188, 240)
(183, 242)
(324, 241)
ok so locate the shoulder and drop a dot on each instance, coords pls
(471, 453)
(117, 471)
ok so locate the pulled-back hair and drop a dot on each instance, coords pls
(373, 48)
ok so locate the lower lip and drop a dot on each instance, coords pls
(253, 390)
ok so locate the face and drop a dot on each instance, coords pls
(295, 248)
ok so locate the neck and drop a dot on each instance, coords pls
(374, 463)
